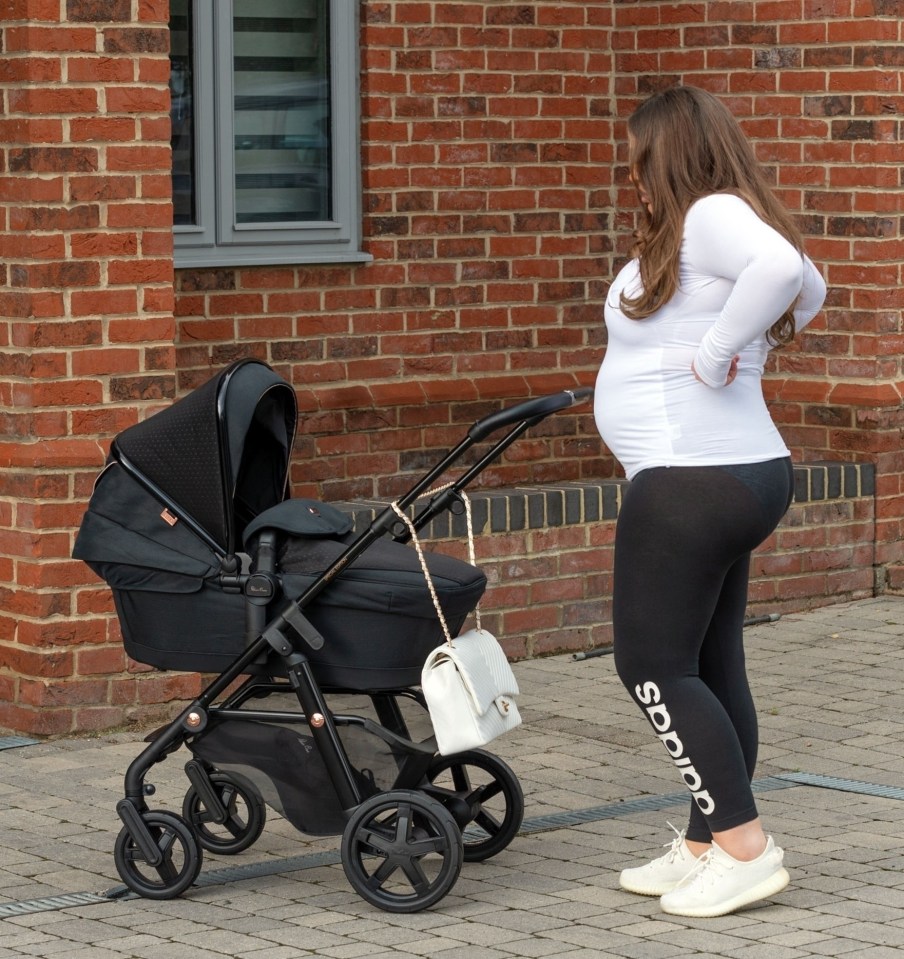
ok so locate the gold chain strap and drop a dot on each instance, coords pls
(420, 553)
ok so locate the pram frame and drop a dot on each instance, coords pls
(278, 635)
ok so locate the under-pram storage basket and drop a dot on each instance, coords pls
(284, 765)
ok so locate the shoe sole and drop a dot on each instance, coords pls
(647, 890)
(770, 886)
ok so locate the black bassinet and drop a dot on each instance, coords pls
(178, 512)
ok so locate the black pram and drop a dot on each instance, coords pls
(214, 570)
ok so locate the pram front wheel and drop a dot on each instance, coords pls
(178, 857)
(401, 851)
(244, 815)
(483, 795)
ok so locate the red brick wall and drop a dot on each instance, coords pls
(86, 329)
(496, 209)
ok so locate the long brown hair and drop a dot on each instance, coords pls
(685, 144)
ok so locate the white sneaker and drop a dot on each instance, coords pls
(663, 874)
(720, 884)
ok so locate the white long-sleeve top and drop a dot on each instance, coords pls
(737, 275)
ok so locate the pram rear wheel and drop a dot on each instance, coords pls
(180, 857)
(483, 795)
(401, 851)
(246, 815)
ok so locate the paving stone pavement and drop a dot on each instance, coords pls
(598, 793)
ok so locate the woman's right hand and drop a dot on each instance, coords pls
(732, 372)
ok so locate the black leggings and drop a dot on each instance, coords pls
(682, 559)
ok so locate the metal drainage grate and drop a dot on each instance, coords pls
(50, 904)
(845, 785)
(251, 870)
(13, 742)
(617, 810)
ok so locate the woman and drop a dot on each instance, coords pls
(718, 277)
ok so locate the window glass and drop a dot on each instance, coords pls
(182, 112)
(281, 73)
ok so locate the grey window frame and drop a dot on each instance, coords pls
(215, 240)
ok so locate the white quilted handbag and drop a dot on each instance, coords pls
(467, 682)
(470, 691)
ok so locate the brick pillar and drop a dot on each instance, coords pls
(86, 328)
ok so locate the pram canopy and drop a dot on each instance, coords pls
(221, 454)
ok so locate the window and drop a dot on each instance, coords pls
(264, 107)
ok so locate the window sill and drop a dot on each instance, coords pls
(269, 256)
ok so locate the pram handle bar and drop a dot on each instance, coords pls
(523, 416)
(520, 417)
(530, 410)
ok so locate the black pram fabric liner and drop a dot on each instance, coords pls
(377, 617)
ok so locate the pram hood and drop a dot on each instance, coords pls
(180, 487)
